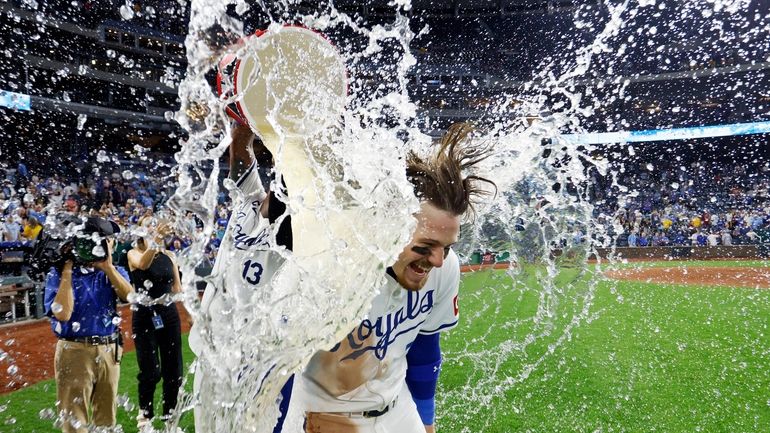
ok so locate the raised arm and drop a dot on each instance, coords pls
(138, 259)
(64, 296)
(141, 259)
(120, 284)
(241, 153)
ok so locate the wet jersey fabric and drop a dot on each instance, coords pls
(373, 356)
(246, 259)
(250, 254)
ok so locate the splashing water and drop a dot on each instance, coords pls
(542, 204)
(359, 183)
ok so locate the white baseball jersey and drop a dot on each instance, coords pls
(372, 359)
(246, 259)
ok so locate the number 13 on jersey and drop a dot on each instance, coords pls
(252, 272)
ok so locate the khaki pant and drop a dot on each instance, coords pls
(86, 375)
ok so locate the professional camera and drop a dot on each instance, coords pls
(82, 241)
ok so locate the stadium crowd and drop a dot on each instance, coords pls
(665, 203)
(28, 198)
(701, 203)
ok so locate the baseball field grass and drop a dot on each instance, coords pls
(648, 358)
(23, 411)
(643, 358)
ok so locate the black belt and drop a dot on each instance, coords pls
(93, 340)
(375, 413)
(369, 413)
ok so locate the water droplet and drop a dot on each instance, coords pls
(47, 413)
(133, 297)
(102, 156)
(81, 121)
(98, 251)
(56, 307)
(76, 326)
(650, 167)
(128, 174)
(116, 320)
(126, 12)
(12, 370)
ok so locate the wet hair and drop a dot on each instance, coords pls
(439, 180)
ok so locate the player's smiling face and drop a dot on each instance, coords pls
(436, 231)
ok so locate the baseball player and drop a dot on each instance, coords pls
(358, 385)
(249, 255)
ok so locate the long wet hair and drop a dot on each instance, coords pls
(439, 180)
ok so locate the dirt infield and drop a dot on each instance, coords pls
(30, 348)
(708, 276)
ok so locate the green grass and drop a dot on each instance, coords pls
(652, 358)
(643, 358)
(22, 408)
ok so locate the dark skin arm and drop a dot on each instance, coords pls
(241, 154)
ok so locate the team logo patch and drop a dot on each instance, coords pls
(389, 327)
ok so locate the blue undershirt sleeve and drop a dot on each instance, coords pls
(284, 405)
(423, 368)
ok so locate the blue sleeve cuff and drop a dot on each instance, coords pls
(426, 409)
(424, 366)
(283, 406)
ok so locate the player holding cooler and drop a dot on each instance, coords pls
(247, 261)
(358, 386)
(257, 240)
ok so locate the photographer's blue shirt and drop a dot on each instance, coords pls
(94, 303)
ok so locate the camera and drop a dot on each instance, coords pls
(84, 242)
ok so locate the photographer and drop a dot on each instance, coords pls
(80, 297)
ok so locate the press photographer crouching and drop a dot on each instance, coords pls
(81, 294)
